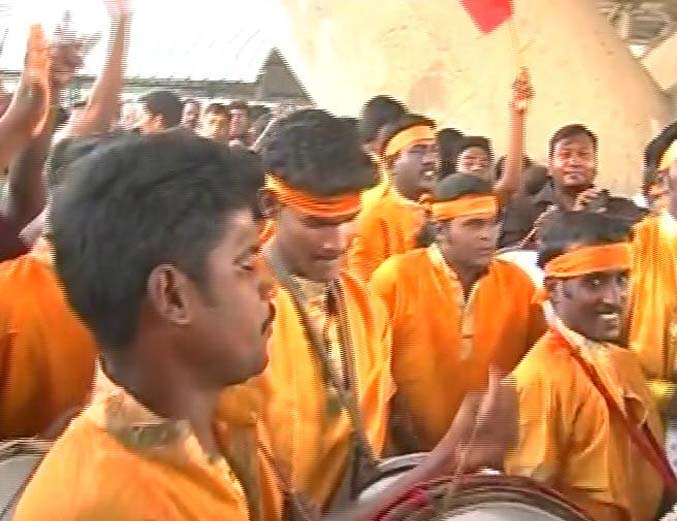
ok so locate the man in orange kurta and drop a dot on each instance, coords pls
(391, 220)
(150, 444)
(46, 353)
(580, 392)
(455, 309)
(653, 329)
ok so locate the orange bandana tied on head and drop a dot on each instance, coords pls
(407, 137)
(462, 207)
(668, 156)
(337, 206)
(586, 260)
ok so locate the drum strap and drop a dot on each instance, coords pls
(364, 463)
(641, 436)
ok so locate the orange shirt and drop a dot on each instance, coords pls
(120, 461)
(653, 332)
(443, 342)
(46, 352)
(309, 436)
(383, 228)
(569, 440)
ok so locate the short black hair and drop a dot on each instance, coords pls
(447, 140)
(535, 178)
(569, 131)
(239, 105)
(474, 141)
(403, 123)
(317, 152)
(165, 103)
(566, 230)
(131, 204)
(376, 113)
(217, 108)
(460, 185)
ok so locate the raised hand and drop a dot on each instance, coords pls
(522, 91)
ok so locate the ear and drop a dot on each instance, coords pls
(168, 291)
(268, 203)
(553, 287)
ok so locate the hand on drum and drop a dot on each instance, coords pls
(484, 429)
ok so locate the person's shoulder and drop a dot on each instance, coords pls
(547, 363)
(396, 267)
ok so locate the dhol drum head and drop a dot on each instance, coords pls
(18, 461)
(476, 497)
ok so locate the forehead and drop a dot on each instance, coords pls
(316, 220)
(238, 112)
(480, 217)
(474, 151)
(215, 116)
(574, 142)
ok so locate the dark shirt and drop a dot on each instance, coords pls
(11, 245)
(521, 213)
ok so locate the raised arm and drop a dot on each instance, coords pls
(511, 181)
(102, 104)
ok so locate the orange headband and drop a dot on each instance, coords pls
(668, 156)
(590, 259)
(408, 136)
(463, 207)
(336, 206)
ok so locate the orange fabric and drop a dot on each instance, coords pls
(308, 439)
(46, 352)
(388, 227)
(442, 341)
(408, 137)
(653, 327)
(569, 440)
(668, 157)
(120, 461)
(464, 207)
(590, 259)
(337, 206)
(373, 195)
(267, 231)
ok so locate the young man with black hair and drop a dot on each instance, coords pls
(190, 117)
(653, 331)
(449, 320)
(160, 110)
(572, 164)
(155, 244)
(240, 121)
(376, 113)
(588, 423)
(390, 224)
(326, 393)
(216, 122)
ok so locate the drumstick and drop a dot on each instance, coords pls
(257, 144)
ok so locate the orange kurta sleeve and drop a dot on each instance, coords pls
(46, 353)
(568, 439)
(309, 437)
(653, 332)
(443, 343)
(384, 228)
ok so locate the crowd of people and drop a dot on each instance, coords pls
(214, 315)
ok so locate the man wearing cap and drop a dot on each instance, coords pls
(391, 224)
(454, 308)
(588, 423)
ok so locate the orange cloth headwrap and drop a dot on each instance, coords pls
(668, 157)
(408, 136)
(332, 207)
(462, 207)
(585, 260)
(590, 259)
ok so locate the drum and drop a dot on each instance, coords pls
(18, 460)
(478, 497)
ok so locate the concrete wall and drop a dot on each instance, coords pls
(429, 54)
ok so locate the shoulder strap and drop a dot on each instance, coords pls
(641, 436)
(347, 398)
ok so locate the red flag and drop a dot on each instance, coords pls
(488, 14)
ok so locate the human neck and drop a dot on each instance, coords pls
(566, 196)
(169, 391)
(467, 275)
